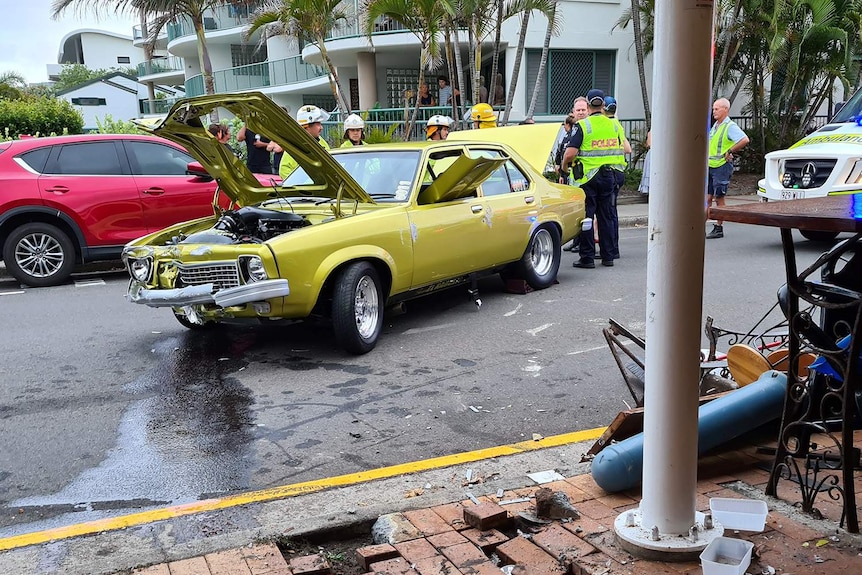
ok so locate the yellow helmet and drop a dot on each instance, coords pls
(483, 113)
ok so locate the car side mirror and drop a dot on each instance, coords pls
(198, 171)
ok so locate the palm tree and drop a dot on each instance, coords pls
(163, 12)
(13, 79)
(641, 16)
(553, 29)
(424, 18)
(307, 21)
(524, 8)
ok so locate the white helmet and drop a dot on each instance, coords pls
(353, 122)
(311, 115)
(438, 120)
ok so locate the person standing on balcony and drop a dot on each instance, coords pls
(311, 118)
(257, 156)
(425, 97)
(444, 91)
(725, 139)
(354, 131)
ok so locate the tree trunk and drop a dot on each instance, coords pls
(450, 65)
(725, 54)
(340, 100)
(741, 81)
(639, 53)
(474, 81)
(492, 89)
(516, 70)
(206, 63)
(540, 76)
(462, 108)
(423, 61)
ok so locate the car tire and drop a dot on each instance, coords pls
(541, 262)
(357, 308)
(39, 255)
(817, 236)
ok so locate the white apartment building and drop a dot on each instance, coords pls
(96, 49)
(375, 71)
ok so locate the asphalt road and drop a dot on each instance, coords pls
(109, 408)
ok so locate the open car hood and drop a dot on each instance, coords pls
(185, 125)
(461, 179)
(533, 142)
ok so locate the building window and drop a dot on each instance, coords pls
(124, 60)
(320, 100)
(245, 54)
(89, 102)
(401, 84)
(568, 74)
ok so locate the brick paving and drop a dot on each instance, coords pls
(456, 538)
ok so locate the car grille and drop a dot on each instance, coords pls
(795, 169)
(222, 275)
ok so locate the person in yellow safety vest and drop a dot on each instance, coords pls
(725, 139)
(310, 118)
(354, 131)
(483, 116)
(598, 144)
(438, 127)
(610, 110)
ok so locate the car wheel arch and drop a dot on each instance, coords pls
(325, 293)
(19, 216)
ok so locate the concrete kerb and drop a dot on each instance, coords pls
(344, 509)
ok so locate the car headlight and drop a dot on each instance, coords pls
(855, 176)
(254, 269)
(140, 268)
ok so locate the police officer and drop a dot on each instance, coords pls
(610, 110)
(598, 144)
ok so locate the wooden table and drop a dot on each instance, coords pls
(816, 404)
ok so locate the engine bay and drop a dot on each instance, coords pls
(247, 225)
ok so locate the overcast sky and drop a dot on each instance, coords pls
(30, 39)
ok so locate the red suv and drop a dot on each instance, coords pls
(69, 200)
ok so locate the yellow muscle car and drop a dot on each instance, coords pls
(350, 232)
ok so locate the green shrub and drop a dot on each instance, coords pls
(633, 178)
(111, 126)
(39, 116)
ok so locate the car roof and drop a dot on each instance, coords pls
(29, 142)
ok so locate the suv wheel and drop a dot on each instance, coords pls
(39, 255)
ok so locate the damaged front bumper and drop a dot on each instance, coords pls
(205, 294)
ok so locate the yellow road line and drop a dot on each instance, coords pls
(293, 490)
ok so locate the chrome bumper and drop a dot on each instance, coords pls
(203, 294)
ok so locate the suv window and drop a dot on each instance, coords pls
(152, 159)
(89, 158)
(37, 158)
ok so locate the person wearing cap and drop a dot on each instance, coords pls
(725, 139)
(610, 110)
(483, 116)
(598, 144)
(438, 127)
(354, 131)
(311, 118)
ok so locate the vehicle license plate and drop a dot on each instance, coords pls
(792, 194)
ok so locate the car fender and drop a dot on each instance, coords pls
(68, 220)
(351, 254)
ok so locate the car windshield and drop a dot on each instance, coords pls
(385, 175)
(851, 111)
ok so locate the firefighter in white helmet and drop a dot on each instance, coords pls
(311, 118)
(354, 131)
(438, 127)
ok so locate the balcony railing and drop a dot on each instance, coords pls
(262, 75)
(351, 28)
(160, 65)
(162, 106)
(218, 18)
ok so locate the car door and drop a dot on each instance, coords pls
(168, 194)
(512, 206)
(451, 234)
(90, 181)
